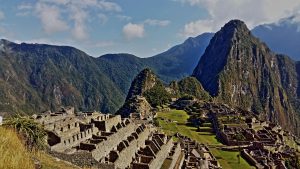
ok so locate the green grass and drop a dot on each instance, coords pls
(229, 160)
(175, 121)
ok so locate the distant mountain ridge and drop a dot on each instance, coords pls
(173, 64)
(38, 77)
(282, 36)
(240, 70)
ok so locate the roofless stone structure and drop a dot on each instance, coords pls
(93, 139)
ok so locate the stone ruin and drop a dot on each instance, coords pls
(93, 139)
(262, 158)
(196, 156)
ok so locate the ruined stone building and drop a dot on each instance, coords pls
(99, 140)
(196, 156)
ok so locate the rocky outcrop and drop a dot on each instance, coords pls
(144, 81)
(145, 91)
(240, 70)
(136, 104)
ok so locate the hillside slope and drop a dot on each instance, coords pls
(240, 70)
(34, 78)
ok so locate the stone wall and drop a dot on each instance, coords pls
(75, 139)
(174, 155)
(112, 141)
(127, 154)
(161, 155)
(250, 159)
(108, 124)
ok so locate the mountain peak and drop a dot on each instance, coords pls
(234, 29)
(145, 80)
(236, 24)
(240, 70)
(231, 36)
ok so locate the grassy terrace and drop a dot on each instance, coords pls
(175, 121)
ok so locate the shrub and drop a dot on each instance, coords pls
(29, 130)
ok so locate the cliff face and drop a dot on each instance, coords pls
(240, 70)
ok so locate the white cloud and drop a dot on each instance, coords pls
(2, 16)
(155, 22)
(51, 18)
(109, 6)
(253, 12)
(79, 16)
(62, 15)
(25, 7)
(103, 18)
(100, 4)
(124, 17)
(131, 31)
(196, 27)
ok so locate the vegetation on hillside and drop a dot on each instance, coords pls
(157, 95)
(32, 133)
(189, 86)
(240, 70)
(36, 78)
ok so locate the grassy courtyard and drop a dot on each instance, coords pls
(175, 121)
(229, 160)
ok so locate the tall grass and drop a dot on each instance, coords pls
(31, 132)
(13, 154)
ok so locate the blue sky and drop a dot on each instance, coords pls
(140, 27)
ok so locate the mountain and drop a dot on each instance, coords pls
(240, 70)
(146, 89)
(188, 86)
(180, 60)
(173, 64)
(282, 36)
(35, 78)
(38, 77)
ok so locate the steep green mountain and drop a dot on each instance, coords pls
(188, 86)
(145, 88)
(34, 78)
(239, 69)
